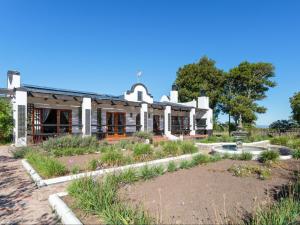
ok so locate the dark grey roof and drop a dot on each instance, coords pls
(48, 90)
(174, 105)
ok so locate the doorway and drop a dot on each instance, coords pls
(116, 123)
(156, 124)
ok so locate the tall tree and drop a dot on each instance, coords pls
(203, 75)
(244, 86)
(6, 120)
(295, 105)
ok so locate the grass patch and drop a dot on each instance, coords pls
(101, 199)
(142, 152)
(248, 170)
(271, 156)
(245, 156)
(45, 165)
(188, 147)
(171, 148)
(151, 172)
(172, 167)
(114, 158)
(285, 211)
(296, 154)
(70, 145)
(20, 153)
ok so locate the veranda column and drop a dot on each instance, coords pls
(19, 107)
(86, 116)
(19, 104)
(192, 121)
(167, 121)
(144, 117)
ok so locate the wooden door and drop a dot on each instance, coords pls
(116, 124)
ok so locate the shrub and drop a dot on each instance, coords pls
(124, 144)
(71, 144)
(75, 169)
(20, 153)
(296, 154)
(184, 164)
(171, 148)
(101, 198)
(200, 159)
(188, 147)
(93, 164)
(113, 158)
(286, 211)
(129, 176)
(45, 165)
(172, 167)
(269, 156)
(143, 135)
(150, 172)
(247, 170)
(245, 156)
(281, 140)
(142, 151)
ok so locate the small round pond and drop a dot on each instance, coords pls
(285, 153)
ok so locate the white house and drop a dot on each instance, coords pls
(42, 112)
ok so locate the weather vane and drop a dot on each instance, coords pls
(138, 75)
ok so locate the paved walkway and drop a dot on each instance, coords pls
(21, 202)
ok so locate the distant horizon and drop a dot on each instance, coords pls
(100, 46)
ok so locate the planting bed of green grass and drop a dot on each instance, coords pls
(72, 153)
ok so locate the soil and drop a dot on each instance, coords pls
(82, 161)
(207, 194)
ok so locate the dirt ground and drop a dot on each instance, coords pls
(206, 194)
(82, 161)
(21, 202)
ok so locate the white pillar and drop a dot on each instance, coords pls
(167, 120)
(19, 104)
(192, 121)
(144, 117)
(86, 116)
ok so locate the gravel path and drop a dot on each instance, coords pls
(21, 202)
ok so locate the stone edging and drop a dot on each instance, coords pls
(33, 174)
(62, 210)
(41, 182)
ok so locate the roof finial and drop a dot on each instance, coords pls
(138, 75)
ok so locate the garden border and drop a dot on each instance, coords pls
(40, 182)
(62, 210)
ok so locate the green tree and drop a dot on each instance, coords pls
(6, 120)
(283, 125)
(203, 75)
(295, 105)
(245, 85)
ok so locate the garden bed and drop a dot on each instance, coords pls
(203, 194)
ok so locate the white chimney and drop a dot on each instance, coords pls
(13, 79)
(174, 94)
(203, 101)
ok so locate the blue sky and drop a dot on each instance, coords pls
(100, 45)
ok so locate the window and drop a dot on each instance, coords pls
(131, 115)
(145, 121)
(140, 95)
(99, 119)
